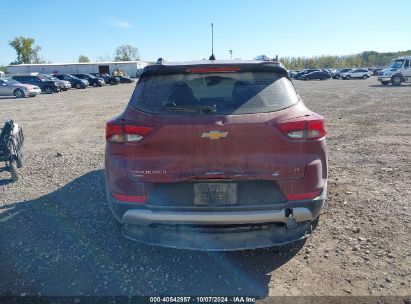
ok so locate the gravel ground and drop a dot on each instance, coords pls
(58, 237)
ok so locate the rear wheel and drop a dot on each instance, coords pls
(95, 84)
(48, 90)
(78, 85)
(348, 77)
(112, 82)
(396, 80)
(19, 93)
(365, 76)
(13, 172)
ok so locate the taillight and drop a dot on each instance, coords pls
(114, 132)
(305, 128)
(315, 128)
(119, 133)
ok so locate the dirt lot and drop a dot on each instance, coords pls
(57, 236)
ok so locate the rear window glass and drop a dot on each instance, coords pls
(213, 93)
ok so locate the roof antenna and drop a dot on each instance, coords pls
(212, 57)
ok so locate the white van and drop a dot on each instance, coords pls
(399, 71)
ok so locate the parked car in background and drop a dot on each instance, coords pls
(262, 58)
(356, 73)
(292, 73)
(93, 81)
(101, 79)
(213, 155)
(124, 79)
(64, 85)
(376, 70)
(398, 72)
(107, 78)
(337, 73)
(46, 86)
(75, 82)
(306, 71)
(321, 75)
(11, 87)
(328, 71)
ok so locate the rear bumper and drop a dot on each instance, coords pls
(217, 239)
(218, 230)
(149, 217)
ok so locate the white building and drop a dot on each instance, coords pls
(132, 68)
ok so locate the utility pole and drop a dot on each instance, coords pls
(231, 54)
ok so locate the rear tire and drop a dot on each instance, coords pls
(19, 93)
(112, 82)
(348, 77)
(365, 76)
(95, 84)
(13, 172)
(78, 86)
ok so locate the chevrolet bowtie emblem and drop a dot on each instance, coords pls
(214, 135)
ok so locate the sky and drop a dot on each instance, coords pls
(180, 30)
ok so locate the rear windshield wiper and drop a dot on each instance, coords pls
(190, 108)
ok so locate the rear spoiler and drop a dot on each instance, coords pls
(158, 69)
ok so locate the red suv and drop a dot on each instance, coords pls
(216, 155)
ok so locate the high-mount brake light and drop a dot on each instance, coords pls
(311, 129)
(224, 69)
(119, 133)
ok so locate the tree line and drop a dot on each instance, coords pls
(364, 59)
(28, 51)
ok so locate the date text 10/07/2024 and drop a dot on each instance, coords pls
(237, 299)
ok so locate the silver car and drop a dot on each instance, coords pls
(64, 85)
(11, 87)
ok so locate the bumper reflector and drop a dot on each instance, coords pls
(302, 196)
(129, 198)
